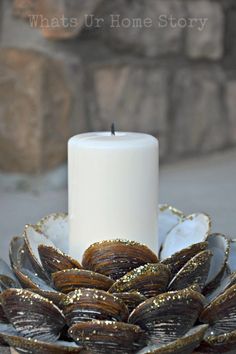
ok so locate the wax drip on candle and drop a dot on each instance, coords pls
(113, 129)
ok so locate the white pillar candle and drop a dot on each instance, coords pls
(113, 189)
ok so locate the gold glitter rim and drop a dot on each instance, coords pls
(195, 262)
(164, 298)
(225, 338)
(173, 210)
(106, 323)
(199, 246)
(94, 294)
(31, 344)
(54, 216)
(76, 271)
(148, 269)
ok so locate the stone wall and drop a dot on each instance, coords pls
(165, 67)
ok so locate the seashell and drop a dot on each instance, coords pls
(31, 280)
(103, 337)
(71, 279)
(168, 217)
(53, 260)
(232, 256)
(131, 299)
(54, 296)
(183, 345)
(195, 271)
(226, 283)
(149, 279)
(34, 238)
(218, 343)
(115, 258)
(220, 314)
(179, 259)
(88, 304)
(168, 316)
(193, 229)
(29, 345)
(32, 315)
(55, 227)
(218, 244)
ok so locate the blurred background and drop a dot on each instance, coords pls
(164, 67)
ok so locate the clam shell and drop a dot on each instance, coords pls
(34, 238)
(194, 229)
(55, 227)
(53, 260)
(107, 336)
(195, 271)
(221, 312)
(168, 316)
(32, 315)
(218, 244)
(131, 299)
(168, 217)
(115, 258)
(29, 345)
(71, 279)
(179, 259)
(226, 283)
(149, 279)
(88, 304)
(183, 345)
(219, 344)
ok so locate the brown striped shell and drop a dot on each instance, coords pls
(32, 315)
(71, 279)
(88, 304)
(149, 279)
(103, 337)
(168, 316)
(114, 258)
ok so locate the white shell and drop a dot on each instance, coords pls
(218, 244)
(168, 217)
(55, 227)
(194, 229)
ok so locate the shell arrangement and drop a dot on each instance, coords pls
(122, 298)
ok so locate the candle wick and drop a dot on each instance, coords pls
(113, 132)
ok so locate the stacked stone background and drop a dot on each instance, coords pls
(178, 84)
